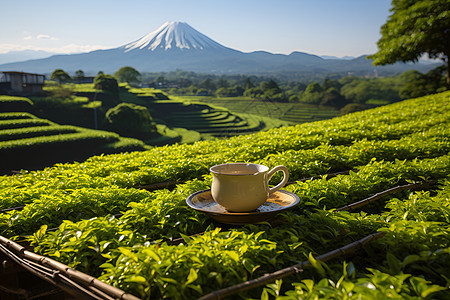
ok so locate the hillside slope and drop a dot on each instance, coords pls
(107, 220)
(28, 142)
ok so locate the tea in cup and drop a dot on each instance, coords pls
(243, 187)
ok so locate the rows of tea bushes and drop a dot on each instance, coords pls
(35, 131)
(297, 113)
(147, 94)
(194, 121)
(134, 257)
(207, 120)
(301, 163)
(183, 162)
(94, 216)
(15, 104)
(30, 142)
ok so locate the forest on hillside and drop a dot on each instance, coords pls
(333, 90)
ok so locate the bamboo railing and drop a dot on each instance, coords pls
(78, 284)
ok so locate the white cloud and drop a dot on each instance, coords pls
(73, 48)
(65, 49)
(43, 37)
(40, 37)
(4, 48)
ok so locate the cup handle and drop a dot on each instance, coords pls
(283, 182)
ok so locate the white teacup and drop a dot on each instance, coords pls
(243, 187)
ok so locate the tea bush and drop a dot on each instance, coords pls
(30, 142)
(14, 103)
(93, 216)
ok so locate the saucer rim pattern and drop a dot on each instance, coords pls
(240, 218)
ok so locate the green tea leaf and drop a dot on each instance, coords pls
(191, 277)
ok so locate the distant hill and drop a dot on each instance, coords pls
(16, 56)
(176, 45)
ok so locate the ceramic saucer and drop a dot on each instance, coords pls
(277, 202)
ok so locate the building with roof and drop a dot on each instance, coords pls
(21, 83)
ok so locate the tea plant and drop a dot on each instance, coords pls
(375, 285)
(92, 216)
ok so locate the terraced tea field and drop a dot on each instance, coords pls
(209, 121)
(204, 119)
(28, 142)
(296, 113)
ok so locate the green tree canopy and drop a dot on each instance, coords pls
(331, 83)
(222, 83)
(362, 90)
(332, 97)
(127, 74)
(270, 85)
(248, 84)
(208, 84)
(314, 87)
(79, 76)
(60, 76)
(313, 94)
(418, 84)
(130, 120)
(109, 85)
(414, 28)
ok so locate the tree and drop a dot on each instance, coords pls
(222, 83)
(255, 92)
(417, 84)
(272, 91)
(79, 76)
(313, 94)
(60, 76)
(130, 120)
(248, 84)
(313, 87)
(330, 83)
(270, 85)
(332, 97)
(363, 90)
(414, 28)
(208, 84)
(233, 91)
(127, 74)
(109, 85)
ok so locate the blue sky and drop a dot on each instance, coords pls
(321, 27)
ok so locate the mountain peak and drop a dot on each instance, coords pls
(174, 35)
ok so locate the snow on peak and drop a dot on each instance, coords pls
(174, 35)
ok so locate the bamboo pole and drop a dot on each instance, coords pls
(156, 186)
(267, 278)
(377, 196)
(328, 176)
(60, 270)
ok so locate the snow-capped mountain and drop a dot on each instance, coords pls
(174, 35)
(176, 45)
